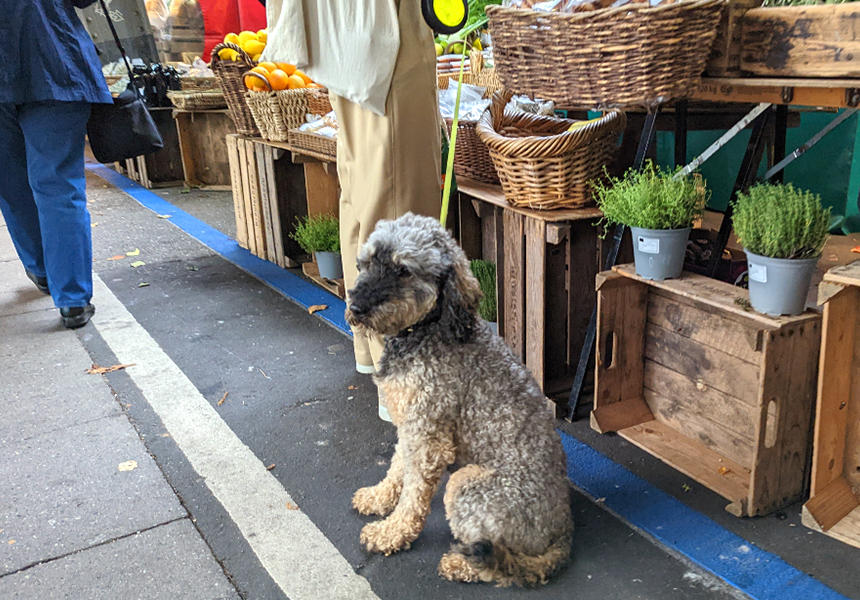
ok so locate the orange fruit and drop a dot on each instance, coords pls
(287, 68)
(269, 66)
(314, 85)
(279, 80)
(255, 83)
(304, 77)
(295, 82)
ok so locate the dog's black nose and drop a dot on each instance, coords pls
(357, 309)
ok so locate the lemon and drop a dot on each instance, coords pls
(263, 35)
(253, 47)
(439, 49)
(232, 38)
(477, 45)
(246, 36)
(228, 54)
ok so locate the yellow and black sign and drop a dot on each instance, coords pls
(445, 16)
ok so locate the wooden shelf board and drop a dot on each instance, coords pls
(493, 194)
(692, 458)
(312, 272)
(828, 93)
(846, 530)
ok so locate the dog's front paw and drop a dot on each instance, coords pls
(387, 537)
(376, 500)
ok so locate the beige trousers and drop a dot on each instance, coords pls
(390, 165)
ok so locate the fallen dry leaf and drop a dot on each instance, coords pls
(129, 465)
(10, 542)
(165, 435)
(143, 284)
(164, 216)
(317, 307)
(224, 397)
(291, 506)
(117, 257)
(136, 264)
(134, 252)
(724, 470)
(99, 370)
(856, 249)
(351, 387)
(270, 467)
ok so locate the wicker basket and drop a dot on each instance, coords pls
(633, 55)
(540, 163)
(314, 144)
(197, 100)
(276, 112)
(192, 84)
(318, 102)
(472, 159)
(229, 74)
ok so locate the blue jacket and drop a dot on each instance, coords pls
(47, 54)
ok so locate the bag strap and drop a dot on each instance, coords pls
(118, 43)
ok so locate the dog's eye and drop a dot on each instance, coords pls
(403, 271)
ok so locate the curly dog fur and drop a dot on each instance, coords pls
(457, 395)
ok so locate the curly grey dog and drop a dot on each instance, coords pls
(457, 395)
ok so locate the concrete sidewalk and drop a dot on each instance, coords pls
(85, 512)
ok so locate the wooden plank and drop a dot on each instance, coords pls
(832, 503)
(704, 325)
(470, 228)
(801, 41)
(702, 364)
(716, 472)
(619, 362)
(493, 194)
(583, 264)
(838, 349)
(322, 189)
(788, 388)
(852, 440)
(620, 415)
(268, 161)
(246, 194)
(186, 148)
(261, 154)
(807, 92)
(514, 283)
(535, 307)
(730, 300)
(256, 208)
(335, 286)
(847, 530)
(845, 274)
(499, 250)
(236, 181)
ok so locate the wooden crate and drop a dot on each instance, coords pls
(834, 503)
(268, 197)
(203, 145)
(164, 167)
(335, 286)
(725, 59)
(546, 262)
(686, 371)
(802, 41)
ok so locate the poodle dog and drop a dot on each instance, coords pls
(457, 395)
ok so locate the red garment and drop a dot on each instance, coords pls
(221, 17)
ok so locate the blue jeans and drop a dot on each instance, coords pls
(43, 194)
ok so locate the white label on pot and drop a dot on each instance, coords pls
(758, 273)
(649, 245)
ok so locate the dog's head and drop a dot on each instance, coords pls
(411, 269)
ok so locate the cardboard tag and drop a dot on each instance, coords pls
(649, 245)
(758, 273)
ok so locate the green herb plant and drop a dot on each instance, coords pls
(781, 221)
(319, 233)
(485, 273)
(651, 198)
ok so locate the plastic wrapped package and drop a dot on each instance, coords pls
(472, 102)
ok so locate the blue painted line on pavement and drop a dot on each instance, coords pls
(740, 563)
(292, 286)
(757, 573)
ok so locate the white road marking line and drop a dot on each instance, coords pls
(301, 560)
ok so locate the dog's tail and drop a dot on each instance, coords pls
(499, 564)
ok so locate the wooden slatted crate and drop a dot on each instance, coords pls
(203, 146)
(688, 372)
(834, 503)
(725, 59)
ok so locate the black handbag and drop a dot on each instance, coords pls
(124, 129)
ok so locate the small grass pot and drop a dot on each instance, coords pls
(320, 235)
(660, 209)
(782, 230)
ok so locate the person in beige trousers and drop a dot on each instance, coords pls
(390, 163)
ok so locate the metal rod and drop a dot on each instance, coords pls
(645, 139)
(800, 151)
(723, 139)
(680, 133)
(779, 134)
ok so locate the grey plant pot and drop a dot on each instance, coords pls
(329, 264)
(659, 253)
(779, 286)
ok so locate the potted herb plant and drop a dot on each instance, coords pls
(782, 230)
(660, 209)
(320, 236)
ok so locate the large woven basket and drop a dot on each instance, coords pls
(197, 100)
(314, 144)
(192, 84)
(634, 55)
(276, 112)
(318, 102)
(542, 165)
(229, 74)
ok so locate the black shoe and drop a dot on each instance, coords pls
(77, 316)
(41, 282)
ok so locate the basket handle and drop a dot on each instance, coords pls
(255, 74)
(214, 59)
(497, 108)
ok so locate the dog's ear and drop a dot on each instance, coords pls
(459, 298)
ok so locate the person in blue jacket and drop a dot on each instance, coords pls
(49, 76)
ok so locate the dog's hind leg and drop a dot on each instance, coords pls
(380, 499)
